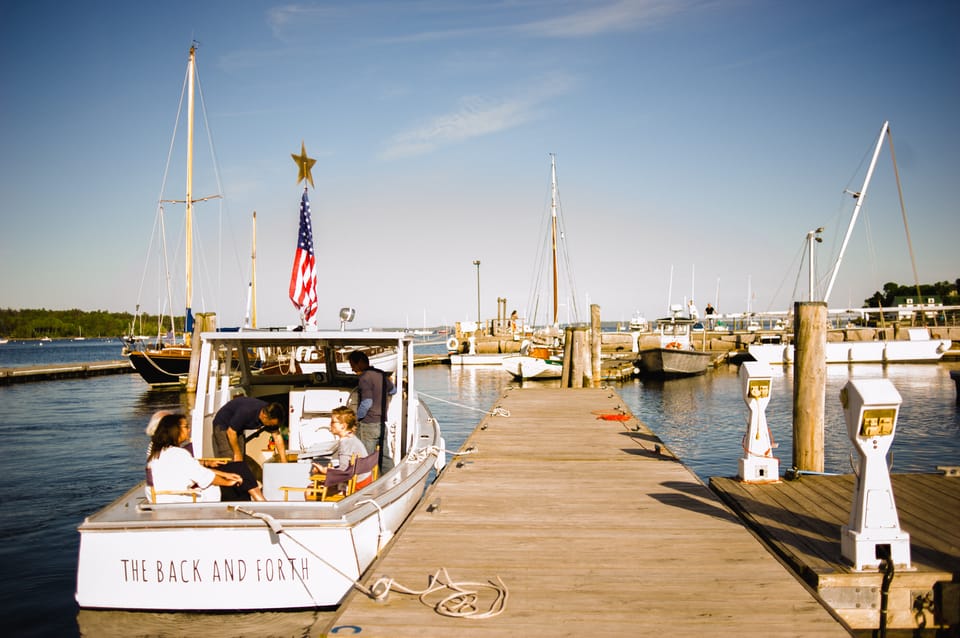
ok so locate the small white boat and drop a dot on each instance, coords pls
(139, 555)
(538, 363)
(491, 359)
(639, 323)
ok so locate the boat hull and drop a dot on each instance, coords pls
(525, 367)
(493, 359)
(275, 554)
(161, 367)
(203, 557)
(673, 362)
(905, 351)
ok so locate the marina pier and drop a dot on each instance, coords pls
(593, 527)
(53, 371)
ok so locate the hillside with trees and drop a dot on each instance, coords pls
(65, 324)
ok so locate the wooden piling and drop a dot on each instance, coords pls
(809, 384)
(580, 359)
(203, 322)
(567, 357)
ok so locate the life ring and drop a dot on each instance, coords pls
(674, 345)
(452, 344)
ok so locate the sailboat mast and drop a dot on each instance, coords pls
(189, 198)
(553, 221)
(856, 210)
(253, 275)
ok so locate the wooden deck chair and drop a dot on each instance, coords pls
(154, 491)
(336, 484)
(369, 465)
(330, 486)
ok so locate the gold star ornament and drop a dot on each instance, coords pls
(304, 164)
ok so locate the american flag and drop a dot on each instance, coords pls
(303, 279)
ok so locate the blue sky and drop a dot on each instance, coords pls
(694, 137)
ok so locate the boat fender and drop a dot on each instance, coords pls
(525, 347)
(452, 344)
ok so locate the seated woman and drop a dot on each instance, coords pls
(343, 424)
(173, 469)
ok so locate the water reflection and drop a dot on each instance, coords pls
(124, 624)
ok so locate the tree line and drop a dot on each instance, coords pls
(65, 324)
(946, 291)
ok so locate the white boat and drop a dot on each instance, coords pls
(538, 362)
(639, 323)
(491, 359)
(675, 357)
(270, 555)
(918, 348)
(543, 357)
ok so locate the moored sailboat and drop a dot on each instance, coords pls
(165, 358)
(542, 356)
(917, 344)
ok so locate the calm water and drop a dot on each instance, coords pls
(69, 447)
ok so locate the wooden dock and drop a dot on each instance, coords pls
(594, 528)
(53, 371)
(801, 521)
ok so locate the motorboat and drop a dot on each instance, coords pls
(675, 355)
(286, 552)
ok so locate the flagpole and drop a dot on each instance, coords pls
(303, 277)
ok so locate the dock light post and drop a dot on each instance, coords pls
(476, 262)
(812, 236)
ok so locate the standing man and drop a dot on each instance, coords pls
(246, 413)
(375, 387)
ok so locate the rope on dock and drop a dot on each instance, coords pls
(461, 603)
(496, 411)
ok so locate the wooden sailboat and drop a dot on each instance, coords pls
(542, 357)
(166, 359)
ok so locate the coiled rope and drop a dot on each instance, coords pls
(462, 602)
(496, 411)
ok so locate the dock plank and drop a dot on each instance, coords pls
(593, 531)
(801, 521)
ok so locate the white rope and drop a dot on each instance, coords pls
(497, 411)
(460, 603)
(417, 456)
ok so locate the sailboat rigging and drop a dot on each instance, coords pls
(917, 347)
(543, 357)
(167, 358)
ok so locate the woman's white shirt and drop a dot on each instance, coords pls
(176, 470)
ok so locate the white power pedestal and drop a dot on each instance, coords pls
(871, 407)
(473, 344)
(758, 465)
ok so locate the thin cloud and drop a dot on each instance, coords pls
(624, 15)
(476, 117)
